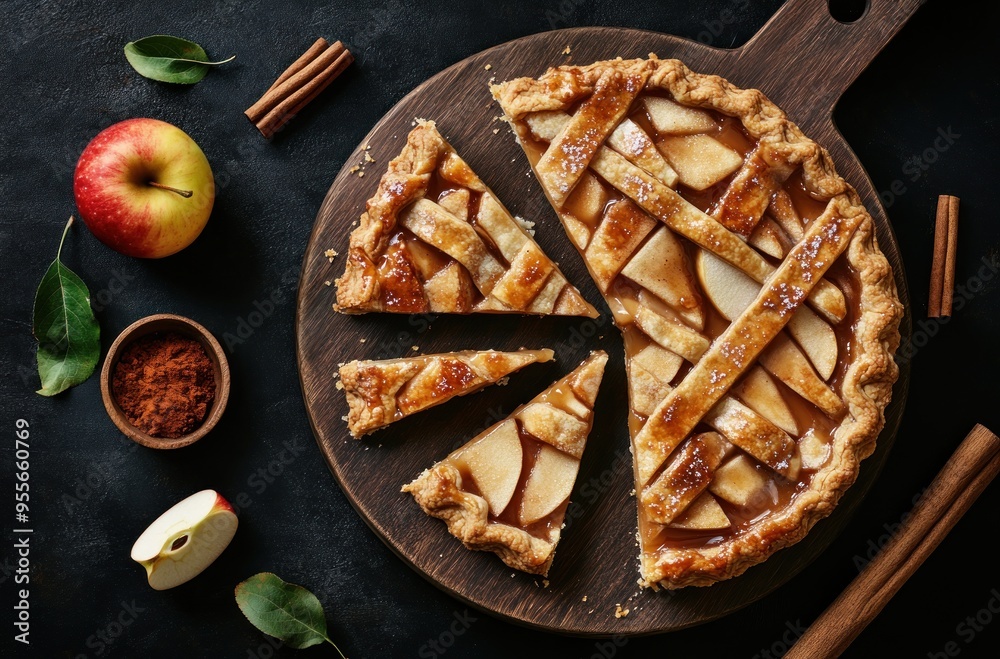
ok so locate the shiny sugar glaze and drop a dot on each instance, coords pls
(622, 294)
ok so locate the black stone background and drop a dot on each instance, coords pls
(64, 78)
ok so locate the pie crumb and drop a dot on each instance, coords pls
(502, 382)
(331, 254)
(414, 348)
(327, 282)
(527, 225)
(354, 169)
(496, 130)
(368, 157)
(361, 174)
(584, 598)
(339, 385)
(488, 67)
(620, 612)
(567, 50)
(362, 340)
(545, 583)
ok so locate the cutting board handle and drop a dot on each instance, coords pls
(804, 47)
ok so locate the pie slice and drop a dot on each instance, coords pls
(435, 239)
(758, 314)
(508, 488)
(380, 392)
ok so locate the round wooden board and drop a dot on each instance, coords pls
(596, 565)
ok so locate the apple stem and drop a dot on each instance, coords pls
(187, 194)
(69, 223)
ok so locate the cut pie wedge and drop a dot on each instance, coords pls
(758, 379)
(508, 488)
(435, 239)
(384, 391)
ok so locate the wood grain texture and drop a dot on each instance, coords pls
(597, 557)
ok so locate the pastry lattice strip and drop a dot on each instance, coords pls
(460, 253)
(384, 391)
(739, 212)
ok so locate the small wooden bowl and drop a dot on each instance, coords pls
(166, 322)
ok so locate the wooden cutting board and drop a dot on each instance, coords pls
(803, 60)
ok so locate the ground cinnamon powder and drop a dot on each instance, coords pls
(165, 384)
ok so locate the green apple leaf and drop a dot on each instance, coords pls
(169, 59)
(283, 610)
(69, 338)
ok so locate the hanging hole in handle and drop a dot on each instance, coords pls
(848, 11)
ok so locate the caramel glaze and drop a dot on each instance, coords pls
(546, 528)
(409, 262)
(779, 491)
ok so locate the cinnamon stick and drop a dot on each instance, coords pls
(956, 487)
(947, 293)
(943, 263)
(299, 84)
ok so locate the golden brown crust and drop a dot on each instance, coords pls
(380, 392)
(380, 275)
(439, 490)
(867, 386)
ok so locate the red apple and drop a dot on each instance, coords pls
(144, 188)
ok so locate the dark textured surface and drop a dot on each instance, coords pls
(64, 78)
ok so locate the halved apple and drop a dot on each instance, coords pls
(549, 484)
(761, 394)
(704, 514)
(672, 118)
(700, 161)
(494, 462)
(186, 539)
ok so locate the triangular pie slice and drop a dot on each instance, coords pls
(381, 392)
(508, 488)
(759, 316)
(435, 239)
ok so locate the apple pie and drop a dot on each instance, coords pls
(758, 314)
(381, 392)
(435, 239)
(508, 488)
